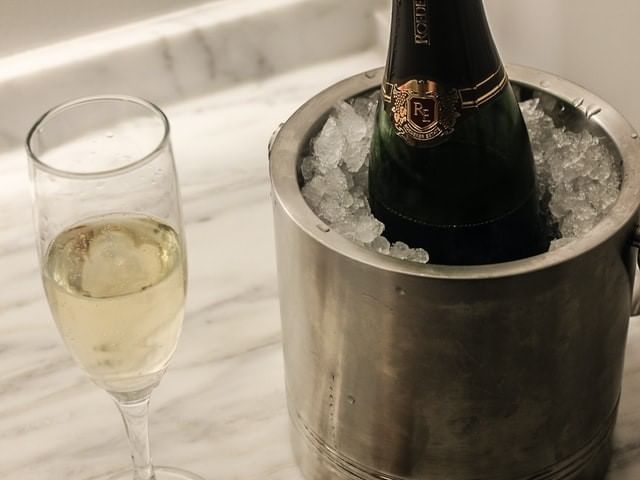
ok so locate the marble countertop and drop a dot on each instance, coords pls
(220, 410)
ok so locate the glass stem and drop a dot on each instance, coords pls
(136, 422)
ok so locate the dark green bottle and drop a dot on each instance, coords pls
(451, 166)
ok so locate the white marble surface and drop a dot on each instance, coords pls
(220, 410)
(176, 56)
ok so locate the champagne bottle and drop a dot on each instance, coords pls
(451, 165)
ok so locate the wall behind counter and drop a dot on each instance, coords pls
(591, 42)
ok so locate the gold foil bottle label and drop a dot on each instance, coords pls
(424, 113)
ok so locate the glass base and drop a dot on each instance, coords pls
(161, 473)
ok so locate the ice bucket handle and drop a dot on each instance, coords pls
(635, 300)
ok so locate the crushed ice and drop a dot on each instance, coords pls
(578, 178)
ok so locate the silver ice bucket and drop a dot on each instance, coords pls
(499, 372)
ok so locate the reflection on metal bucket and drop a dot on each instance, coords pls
(499, 372)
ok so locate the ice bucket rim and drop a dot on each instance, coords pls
(292, 141)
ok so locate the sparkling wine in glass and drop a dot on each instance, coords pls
(111, 247)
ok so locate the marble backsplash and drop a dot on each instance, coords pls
(184, 54)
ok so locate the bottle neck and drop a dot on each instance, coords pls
(445, 41)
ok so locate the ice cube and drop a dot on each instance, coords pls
(399, 250)
(368, 228)
(381, 245)
(336, 182)
(359, 201)
(346, 200)
(308, 168)
(366, 106)
(357, 135)
(314, 190)
(352, 126)
(418, 255)
(329, 146)
(346, 228)
(331, 210)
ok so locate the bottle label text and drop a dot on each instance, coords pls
(421, 22)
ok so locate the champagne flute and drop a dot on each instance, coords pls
(111, 246)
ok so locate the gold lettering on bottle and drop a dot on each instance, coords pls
(420, 111)
(421, 22)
